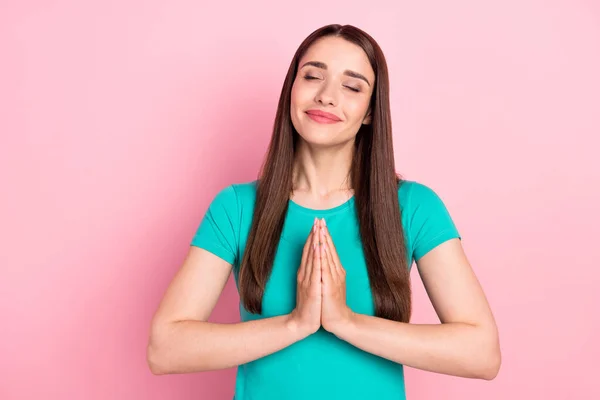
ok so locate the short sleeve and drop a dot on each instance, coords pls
(430, 221)
(218, 230)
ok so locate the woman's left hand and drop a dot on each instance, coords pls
(334, 311)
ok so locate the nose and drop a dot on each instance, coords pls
(326, 95)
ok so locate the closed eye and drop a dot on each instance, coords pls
(310, 78)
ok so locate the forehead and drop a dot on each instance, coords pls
(339, 55)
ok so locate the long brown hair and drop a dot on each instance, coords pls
(372, 176)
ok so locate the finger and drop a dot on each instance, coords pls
(310, 258)
(305, 255)
(329, 258)
(335, 259)
(330, 239)
(316, 268)
(327, 268)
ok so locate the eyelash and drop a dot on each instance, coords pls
(310, 78)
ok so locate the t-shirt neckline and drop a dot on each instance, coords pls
(297, 207)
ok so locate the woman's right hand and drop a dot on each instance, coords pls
(306, 317)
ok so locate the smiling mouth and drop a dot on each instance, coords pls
(321, 118)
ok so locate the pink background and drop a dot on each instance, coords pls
(120, 120)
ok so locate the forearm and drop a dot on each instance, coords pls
(453, 348)
(194, 346)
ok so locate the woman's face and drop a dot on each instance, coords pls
(334, 76)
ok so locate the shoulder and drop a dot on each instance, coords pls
(236, 194)
(245, 191)
(418, 200)
(411, 193)
(427, 218)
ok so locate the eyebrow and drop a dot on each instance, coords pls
(347, 72)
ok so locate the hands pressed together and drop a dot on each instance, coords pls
(321, 291)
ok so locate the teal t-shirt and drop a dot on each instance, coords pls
(321, 366)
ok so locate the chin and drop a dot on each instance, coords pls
(311, 137)
(320, 139)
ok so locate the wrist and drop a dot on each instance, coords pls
(344, 325)
(297, 329)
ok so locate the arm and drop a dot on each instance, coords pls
(465, 343)
(182, 341)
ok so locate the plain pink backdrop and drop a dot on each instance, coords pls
(120, 120)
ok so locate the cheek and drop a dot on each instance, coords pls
(301, 98)
(299, 94)
(295, 98)
(357, 109)
(294, 102)
(295, 106)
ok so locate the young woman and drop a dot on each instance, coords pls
(321, 247)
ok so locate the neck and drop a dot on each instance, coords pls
(321, 171)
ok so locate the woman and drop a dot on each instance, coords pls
(321, 247)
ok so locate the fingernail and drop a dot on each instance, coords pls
(323, 219)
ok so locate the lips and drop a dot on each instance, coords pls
(322, 114)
